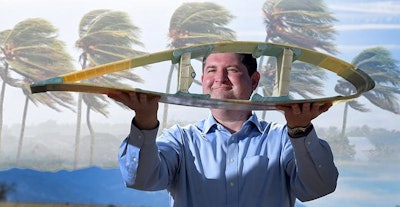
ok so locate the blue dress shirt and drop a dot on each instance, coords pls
(203, 164)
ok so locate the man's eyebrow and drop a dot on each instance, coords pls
(210, 66)
(226, 66)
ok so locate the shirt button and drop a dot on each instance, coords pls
(309, 142)
(231, 160)
(319, 166)
(134, 159)
(232, 184)
(140, 136)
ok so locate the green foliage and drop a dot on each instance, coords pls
(386, 142)
(304, 23)
(384, 70)
(341, 148)
(107, 36)
(32, 52)
(32, 49)
(199, 22)
(305, 80)
(308, 25)
(378, 63)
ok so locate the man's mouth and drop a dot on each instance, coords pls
(222, 87)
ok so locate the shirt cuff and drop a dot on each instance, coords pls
(138, 137)
(305, 144)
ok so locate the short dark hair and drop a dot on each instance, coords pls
(248, 60)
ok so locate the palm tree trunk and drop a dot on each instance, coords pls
(261, 60)
(165, 113)
(92, 137)
(22, 132)
(79, 116)
(2, 94)
(259, 67)
(78, 129)
(344, 122)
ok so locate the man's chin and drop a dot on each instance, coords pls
(221, 96)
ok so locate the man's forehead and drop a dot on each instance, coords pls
(214, 56)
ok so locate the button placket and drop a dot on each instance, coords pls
(231, 172)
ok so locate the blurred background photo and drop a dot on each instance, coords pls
(60, 148)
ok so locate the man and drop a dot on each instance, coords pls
(230, 158)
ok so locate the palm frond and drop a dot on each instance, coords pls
(107, 36)
(199, 22)
(303, 23)
(32, 50)
(358, 106)
(385, 97)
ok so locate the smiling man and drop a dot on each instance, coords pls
(230, 158)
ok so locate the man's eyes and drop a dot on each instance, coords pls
(232, 69)
(229, 69)
(210, 70)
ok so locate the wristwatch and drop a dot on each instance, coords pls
(297, 132)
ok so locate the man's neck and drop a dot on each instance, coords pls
(231, 119)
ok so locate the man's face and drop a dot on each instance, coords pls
(225, 77)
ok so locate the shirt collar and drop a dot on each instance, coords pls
(255, 121)
(210, 122)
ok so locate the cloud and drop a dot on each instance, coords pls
(365, 46)
(348, 27)
(367, 15)
(378, 7)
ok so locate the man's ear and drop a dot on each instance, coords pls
(255, 78)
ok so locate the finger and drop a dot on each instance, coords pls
(142, 98)
(117, 96)
(306, 108)
(155, 99)
(113, 95)
(315, 109)
(325, 107)
(296, 109)
(133, 97)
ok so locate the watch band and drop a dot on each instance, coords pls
(297, 132)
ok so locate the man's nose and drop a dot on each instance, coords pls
(221, 75)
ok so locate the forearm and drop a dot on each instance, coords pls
(316, 173)
(139, 160)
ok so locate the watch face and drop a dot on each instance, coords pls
(299, 131)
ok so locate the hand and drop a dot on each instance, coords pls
(300, 115)
(145, 107)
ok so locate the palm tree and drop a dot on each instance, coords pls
(302, 23)
(104, 36)
(378, 63)
(32, 52)
(197, 23)
(4, 75)
(6, 189)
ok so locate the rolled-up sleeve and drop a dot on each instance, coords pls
(314, 173)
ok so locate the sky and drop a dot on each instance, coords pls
(361, 24)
